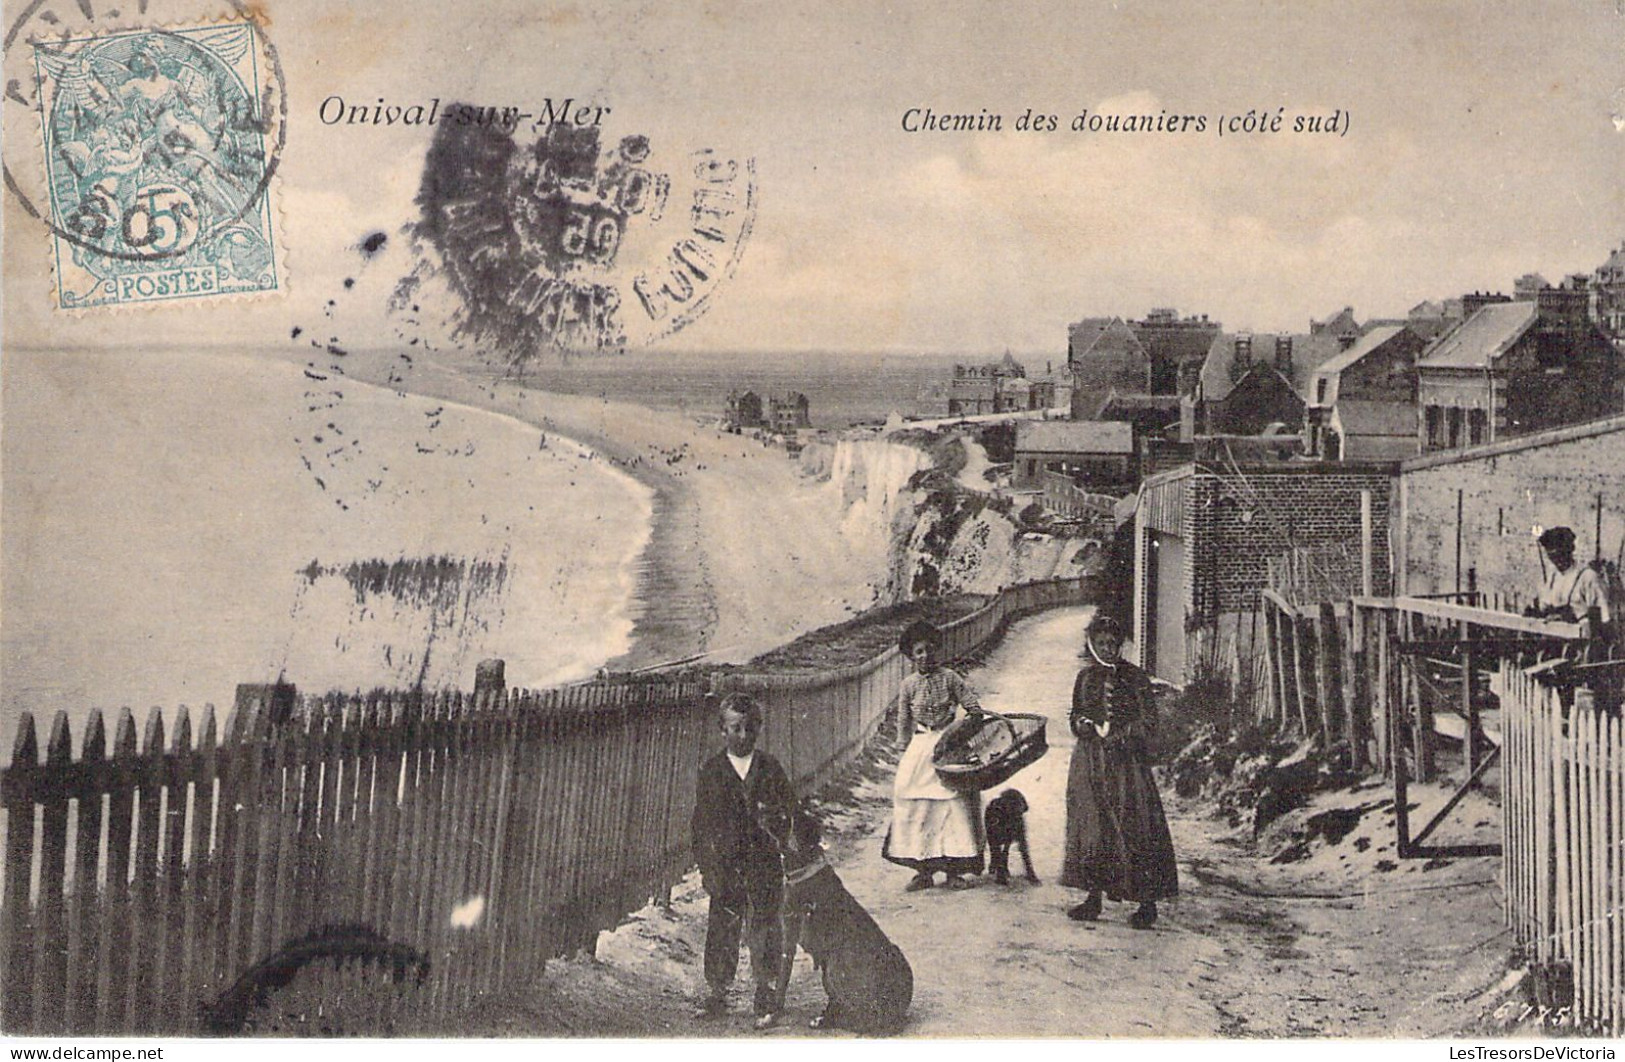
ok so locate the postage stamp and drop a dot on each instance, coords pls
(566, 243)
(158, 164)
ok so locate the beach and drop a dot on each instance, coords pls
(746, 552)
(178, 523)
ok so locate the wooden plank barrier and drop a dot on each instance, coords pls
(488, 832)
(1563, 806)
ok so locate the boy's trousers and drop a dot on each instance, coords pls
(753, 902)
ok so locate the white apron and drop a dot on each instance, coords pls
(929, 820)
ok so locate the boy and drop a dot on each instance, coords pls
(739, 863)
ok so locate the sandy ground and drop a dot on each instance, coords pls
(1342, 942)
(747, 552)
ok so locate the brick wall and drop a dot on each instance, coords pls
(1507, 488)
(1238, 520)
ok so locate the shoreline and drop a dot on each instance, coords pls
(671, 601)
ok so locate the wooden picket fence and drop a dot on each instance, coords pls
(488, 833)
(1563, 833)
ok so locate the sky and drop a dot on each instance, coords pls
(1484, 141)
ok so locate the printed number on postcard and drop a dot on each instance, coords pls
(157, 160)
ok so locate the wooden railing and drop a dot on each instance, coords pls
(488, 833)
(1353, 671)
(1563, 832)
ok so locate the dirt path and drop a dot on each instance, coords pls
(1249, 949)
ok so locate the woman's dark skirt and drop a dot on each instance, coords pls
(1117, 838)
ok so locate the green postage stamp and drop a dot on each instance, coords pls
(159, 158)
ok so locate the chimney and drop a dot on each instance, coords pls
(1283, 354)
(1562, 309)
(1243, 356)
(1471, 304)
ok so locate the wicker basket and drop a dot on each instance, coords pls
(986, 749)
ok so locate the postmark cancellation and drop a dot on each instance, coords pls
(159, 156)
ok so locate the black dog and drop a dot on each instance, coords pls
(867, 979)
(1006, 823)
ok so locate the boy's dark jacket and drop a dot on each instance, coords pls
(728, 839)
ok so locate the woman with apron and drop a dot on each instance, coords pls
(933, 828)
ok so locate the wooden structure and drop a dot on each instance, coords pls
(489, 832)
(1563, 833)
(1389, 677)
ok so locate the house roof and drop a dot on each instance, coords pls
(1102, 332)
(1308, 353)
(1340, 323)
(1331, 369)
(1483, 337)
(1176, 341)
(1075, 436)
(1124, 402)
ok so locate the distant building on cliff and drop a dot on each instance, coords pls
(783, 414)
(981, 389)
(788, 413)
(744, 410)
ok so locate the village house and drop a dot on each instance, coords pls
(1362, 401)
(1159, 355)
(1204, 535)
(1249, 381)
(1515, 367)
(744, 410)
(788, 413)
(1053, 389)
(980, 389)
(1105, 356)
(1097, 455)
(1608, 296)
(782, 414)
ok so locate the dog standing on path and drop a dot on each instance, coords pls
(1006, 822)
(867, 979)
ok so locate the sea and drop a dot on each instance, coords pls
(842, 389)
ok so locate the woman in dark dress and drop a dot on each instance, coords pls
(1117, 840)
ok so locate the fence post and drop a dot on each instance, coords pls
(85, 915)
(19, 944)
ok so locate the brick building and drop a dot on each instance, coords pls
(1176, 346)
(1511, 368)
(1204, 535)
(1506, 489)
